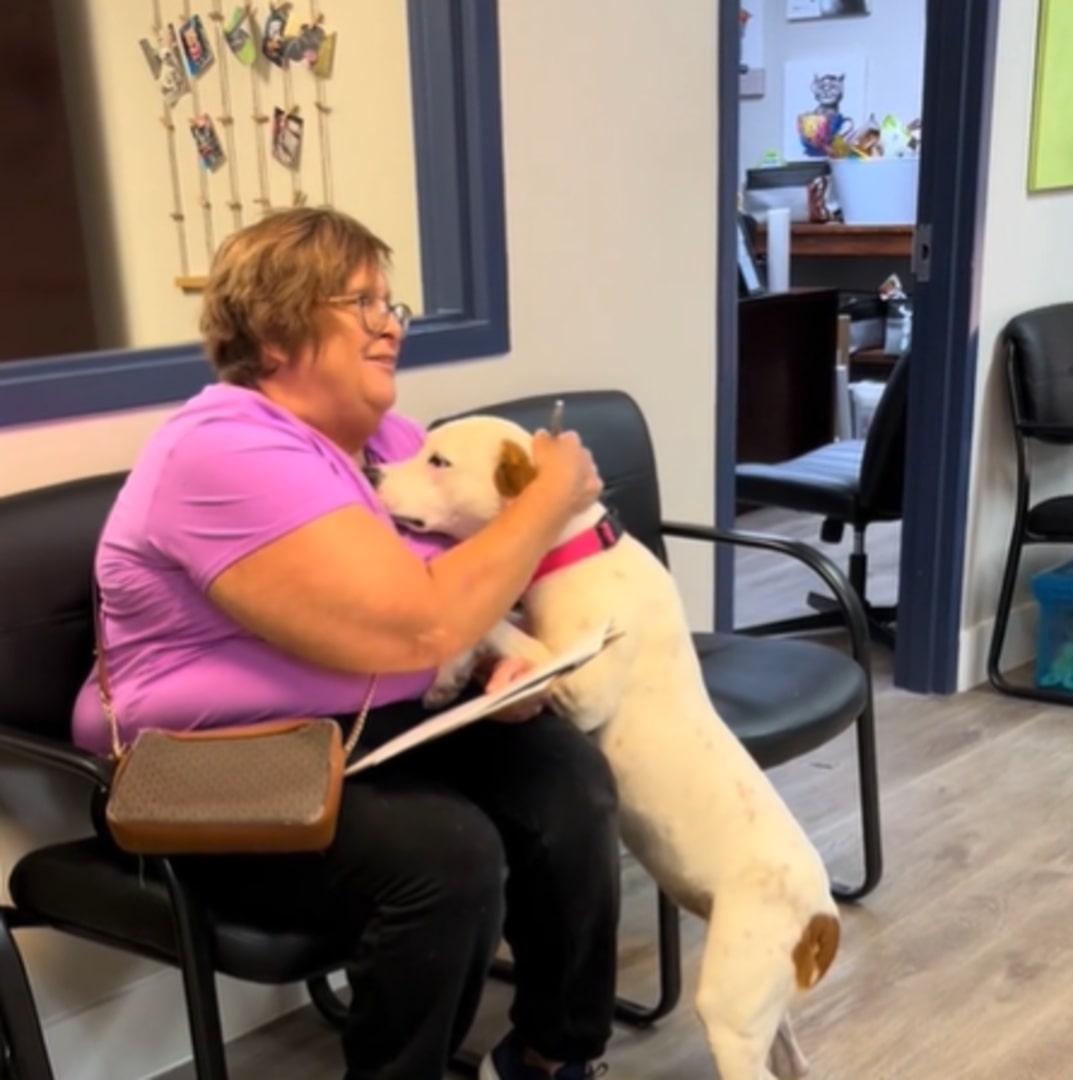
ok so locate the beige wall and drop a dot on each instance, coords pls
(1025, 265)
(123, 163)
(610, 132)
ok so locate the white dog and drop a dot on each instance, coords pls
(697, 812)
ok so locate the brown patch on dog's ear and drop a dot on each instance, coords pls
(816, 949)
(514, 470)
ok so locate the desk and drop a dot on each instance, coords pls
(786, 373)
(835, 240)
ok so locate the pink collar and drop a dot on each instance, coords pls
(602, 536)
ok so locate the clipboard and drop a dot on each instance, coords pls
(530, 685)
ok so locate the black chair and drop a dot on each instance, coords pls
(1038, 347)
(86, 887)
(852, 482)
(783, 698)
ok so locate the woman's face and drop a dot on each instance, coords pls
(348, 383)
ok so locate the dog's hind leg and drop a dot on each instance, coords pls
(786, 1060)
(746, 983)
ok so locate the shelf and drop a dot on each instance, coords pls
(847, 241)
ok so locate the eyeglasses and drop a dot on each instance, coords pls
(374, 311)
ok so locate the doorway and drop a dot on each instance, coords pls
(958, 68)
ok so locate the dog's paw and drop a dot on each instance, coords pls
(440, 694)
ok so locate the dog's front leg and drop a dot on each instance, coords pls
(451, 680)
(590, 696)
(504, 640)
(508, 640)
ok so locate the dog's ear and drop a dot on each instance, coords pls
(514, 470)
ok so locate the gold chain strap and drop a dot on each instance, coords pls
(104, 689)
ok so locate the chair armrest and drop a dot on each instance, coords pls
(831, 575)
(58, 755)
(1056, 433)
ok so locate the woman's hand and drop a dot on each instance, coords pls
(503, 673)
(566, 470)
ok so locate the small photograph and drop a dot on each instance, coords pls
(286, 137)
(209, 151)
(172, 78)
(304, 47)
(322, 66)
(239, 36)
(275, 34)
(152, 57)
(195, 43)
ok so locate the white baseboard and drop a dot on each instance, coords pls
(142, 1030)
(1019, 649)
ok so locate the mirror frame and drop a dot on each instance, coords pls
(458, 143)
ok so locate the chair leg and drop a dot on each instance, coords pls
(199, 979)
(20, 1025)
(828, 614)
(327, 1001)
(800, 624)
(1002, 623)
(465, 1063)
(871, 832)
(332, 1008)
(670, 971)
(881, 617)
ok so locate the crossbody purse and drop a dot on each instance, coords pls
(272, 787)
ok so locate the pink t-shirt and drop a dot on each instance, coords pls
(227, 474)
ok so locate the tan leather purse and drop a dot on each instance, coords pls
(255, 788)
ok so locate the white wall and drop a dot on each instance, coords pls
(1025, 265)
(612, 241)
(892, 39)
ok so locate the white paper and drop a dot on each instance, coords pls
(778, 249)
(529, 685)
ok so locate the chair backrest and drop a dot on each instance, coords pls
(614, 429)
(882, 477)
(48, 538)
(1039, 367)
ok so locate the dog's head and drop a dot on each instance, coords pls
(463, 476)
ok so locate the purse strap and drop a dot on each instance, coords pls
(104, 687)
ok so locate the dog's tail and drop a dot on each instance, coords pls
(816, 948)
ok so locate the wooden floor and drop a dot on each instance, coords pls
(957, 968)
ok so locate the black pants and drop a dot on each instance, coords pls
(414, 888)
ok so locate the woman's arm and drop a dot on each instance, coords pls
(345, 592)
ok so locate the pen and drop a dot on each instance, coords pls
(556, 425)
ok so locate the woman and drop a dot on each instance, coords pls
(247, 572)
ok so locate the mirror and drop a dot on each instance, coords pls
(389, 111)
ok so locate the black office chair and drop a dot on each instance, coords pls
(1039, 381)
(783, 698)
(852, 482)
(86, 887)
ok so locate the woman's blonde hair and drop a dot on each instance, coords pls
(268, 283)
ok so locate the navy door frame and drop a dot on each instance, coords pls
(959, 63)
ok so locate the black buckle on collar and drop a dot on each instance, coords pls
(609, 530)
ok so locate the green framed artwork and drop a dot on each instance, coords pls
(1050, 157)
